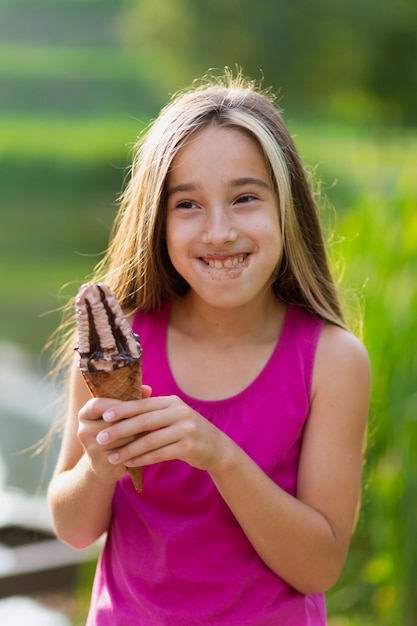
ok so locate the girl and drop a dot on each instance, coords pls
(256, 394)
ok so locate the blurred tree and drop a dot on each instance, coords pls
(392, 71)
(345, 59)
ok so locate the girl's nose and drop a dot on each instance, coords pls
(219, 227)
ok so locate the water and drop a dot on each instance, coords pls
(27, 409)
(21, 610)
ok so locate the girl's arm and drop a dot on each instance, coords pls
(81, 490)
(305, 539)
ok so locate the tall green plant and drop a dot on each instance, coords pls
(380, 231)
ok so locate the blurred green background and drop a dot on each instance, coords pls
(79, 80)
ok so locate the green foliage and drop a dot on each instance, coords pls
(68, 57)
(350, 60)
(67, 140)
(377, 222)
(49, 61)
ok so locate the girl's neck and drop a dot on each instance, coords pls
(192, 316)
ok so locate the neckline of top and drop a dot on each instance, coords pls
(195, 401)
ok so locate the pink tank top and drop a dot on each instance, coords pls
(175, 555)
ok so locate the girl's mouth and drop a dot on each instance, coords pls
(226, 262)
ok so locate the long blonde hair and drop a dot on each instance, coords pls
(137, 265)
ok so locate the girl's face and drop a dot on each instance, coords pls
(223, 230)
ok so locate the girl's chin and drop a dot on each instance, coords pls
(224, 294)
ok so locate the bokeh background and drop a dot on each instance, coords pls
(79, 80)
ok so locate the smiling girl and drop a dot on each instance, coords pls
(256, 393)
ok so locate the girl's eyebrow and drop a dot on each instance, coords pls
(237, 182)
(182, 187)
(250, 180)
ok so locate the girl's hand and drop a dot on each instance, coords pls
(90, 425)
(151, 430)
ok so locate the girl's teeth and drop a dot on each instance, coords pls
(228, 263)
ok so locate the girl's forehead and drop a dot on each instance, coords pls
(214, 137)
(222, 131)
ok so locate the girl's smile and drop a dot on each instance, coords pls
(222, 267)
(223, 230)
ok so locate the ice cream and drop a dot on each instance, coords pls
(110, 353)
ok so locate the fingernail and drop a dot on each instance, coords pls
(108, 416)
(113, 458)
(102, 437)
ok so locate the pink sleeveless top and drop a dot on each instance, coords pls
(175, 555)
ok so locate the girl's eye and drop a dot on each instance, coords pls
(186, 204)
(247, 197)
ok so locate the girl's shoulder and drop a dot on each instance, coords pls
(337, 342)
(341, 359)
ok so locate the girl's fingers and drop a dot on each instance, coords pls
(167, 453)
(146, 391)
(95, 407)
(136, 431)
(153, 445)
(174, 421)
(118, 411)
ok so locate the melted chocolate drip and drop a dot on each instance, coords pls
(93, 336)
(121, 340)
(119, 337)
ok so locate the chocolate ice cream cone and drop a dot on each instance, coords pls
(110, 353)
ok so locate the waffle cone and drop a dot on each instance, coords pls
(122, 383)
